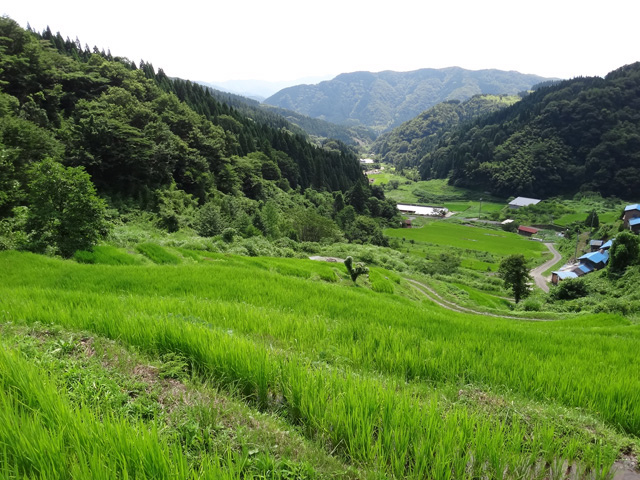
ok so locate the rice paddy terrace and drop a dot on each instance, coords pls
(215, 366)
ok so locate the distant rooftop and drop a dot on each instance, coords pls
(366, 161)
(523, 202)
(635, 206)
(634, 221)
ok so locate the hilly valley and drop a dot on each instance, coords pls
(197, 286)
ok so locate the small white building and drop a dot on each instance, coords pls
(422, 210)
(366, 161)
(523, 202)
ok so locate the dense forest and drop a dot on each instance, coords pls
(406, 145)
(385, 100)
(576, 135)
(125, 134)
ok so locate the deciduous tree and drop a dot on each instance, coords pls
(515, 274)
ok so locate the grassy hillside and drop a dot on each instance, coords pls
(344, 380)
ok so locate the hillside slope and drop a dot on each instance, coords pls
(386, 99)
(580, 134)
(405, 145)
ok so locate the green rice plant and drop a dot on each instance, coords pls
(157, 254)
(379, 281)
(361, 372)
(106, 255)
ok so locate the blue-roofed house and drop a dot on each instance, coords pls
(597, 260)
(606, 245)
(630, 217)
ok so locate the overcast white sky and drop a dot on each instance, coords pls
(291, 39)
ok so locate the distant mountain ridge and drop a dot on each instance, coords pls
(386, 99)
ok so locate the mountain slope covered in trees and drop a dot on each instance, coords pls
(141, 140)
(580, 134)
(404, 146)
(386, 99)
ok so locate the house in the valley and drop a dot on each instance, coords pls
(520, 202)
(562, 275)
(595, 245)
(527, 231)
(631, 218)
(597, 260)
(589, 262)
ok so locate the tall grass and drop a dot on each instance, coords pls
(350, 365)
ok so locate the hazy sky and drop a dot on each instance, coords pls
(290, 39)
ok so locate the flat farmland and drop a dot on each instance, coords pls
(465, 237)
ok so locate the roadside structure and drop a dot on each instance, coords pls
(520, 202)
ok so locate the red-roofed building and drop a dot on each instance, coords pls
(527, 231)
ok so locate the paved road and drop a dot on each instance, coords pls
(536, 273)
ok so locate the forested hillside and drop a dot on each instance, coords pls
(405, 145)
(580, 134)
(318, 130)
(153, 143)
(386, 99)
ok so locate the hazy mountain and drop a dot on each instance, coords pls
(386, 99)
(261, 89)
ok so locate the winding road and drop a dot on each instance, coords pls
(536, 273)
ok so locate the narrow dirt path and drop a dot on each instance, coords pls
(536, 273)
(432, 295)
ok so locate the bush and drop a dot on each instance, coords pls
(570, 289)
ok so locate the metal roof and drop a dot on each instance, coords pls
(634, 221)
(606, 245)
(527, 229)
(585, 268)
(564, 275)
(595, 257)
(635, 206)
(595, 243)
(523, 201)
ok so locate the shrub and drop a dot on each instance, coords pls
(570, 289)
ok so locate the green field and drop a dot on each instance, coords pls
(346, 381)
(496, 242)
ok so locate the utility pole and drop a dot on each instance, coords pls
(480, 210)
(577, 240)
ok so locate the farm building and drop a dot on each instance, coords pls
(523, 202)
(422, 210)
(406, 223)
(527, 231)
(595, 245)
(631, 217)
